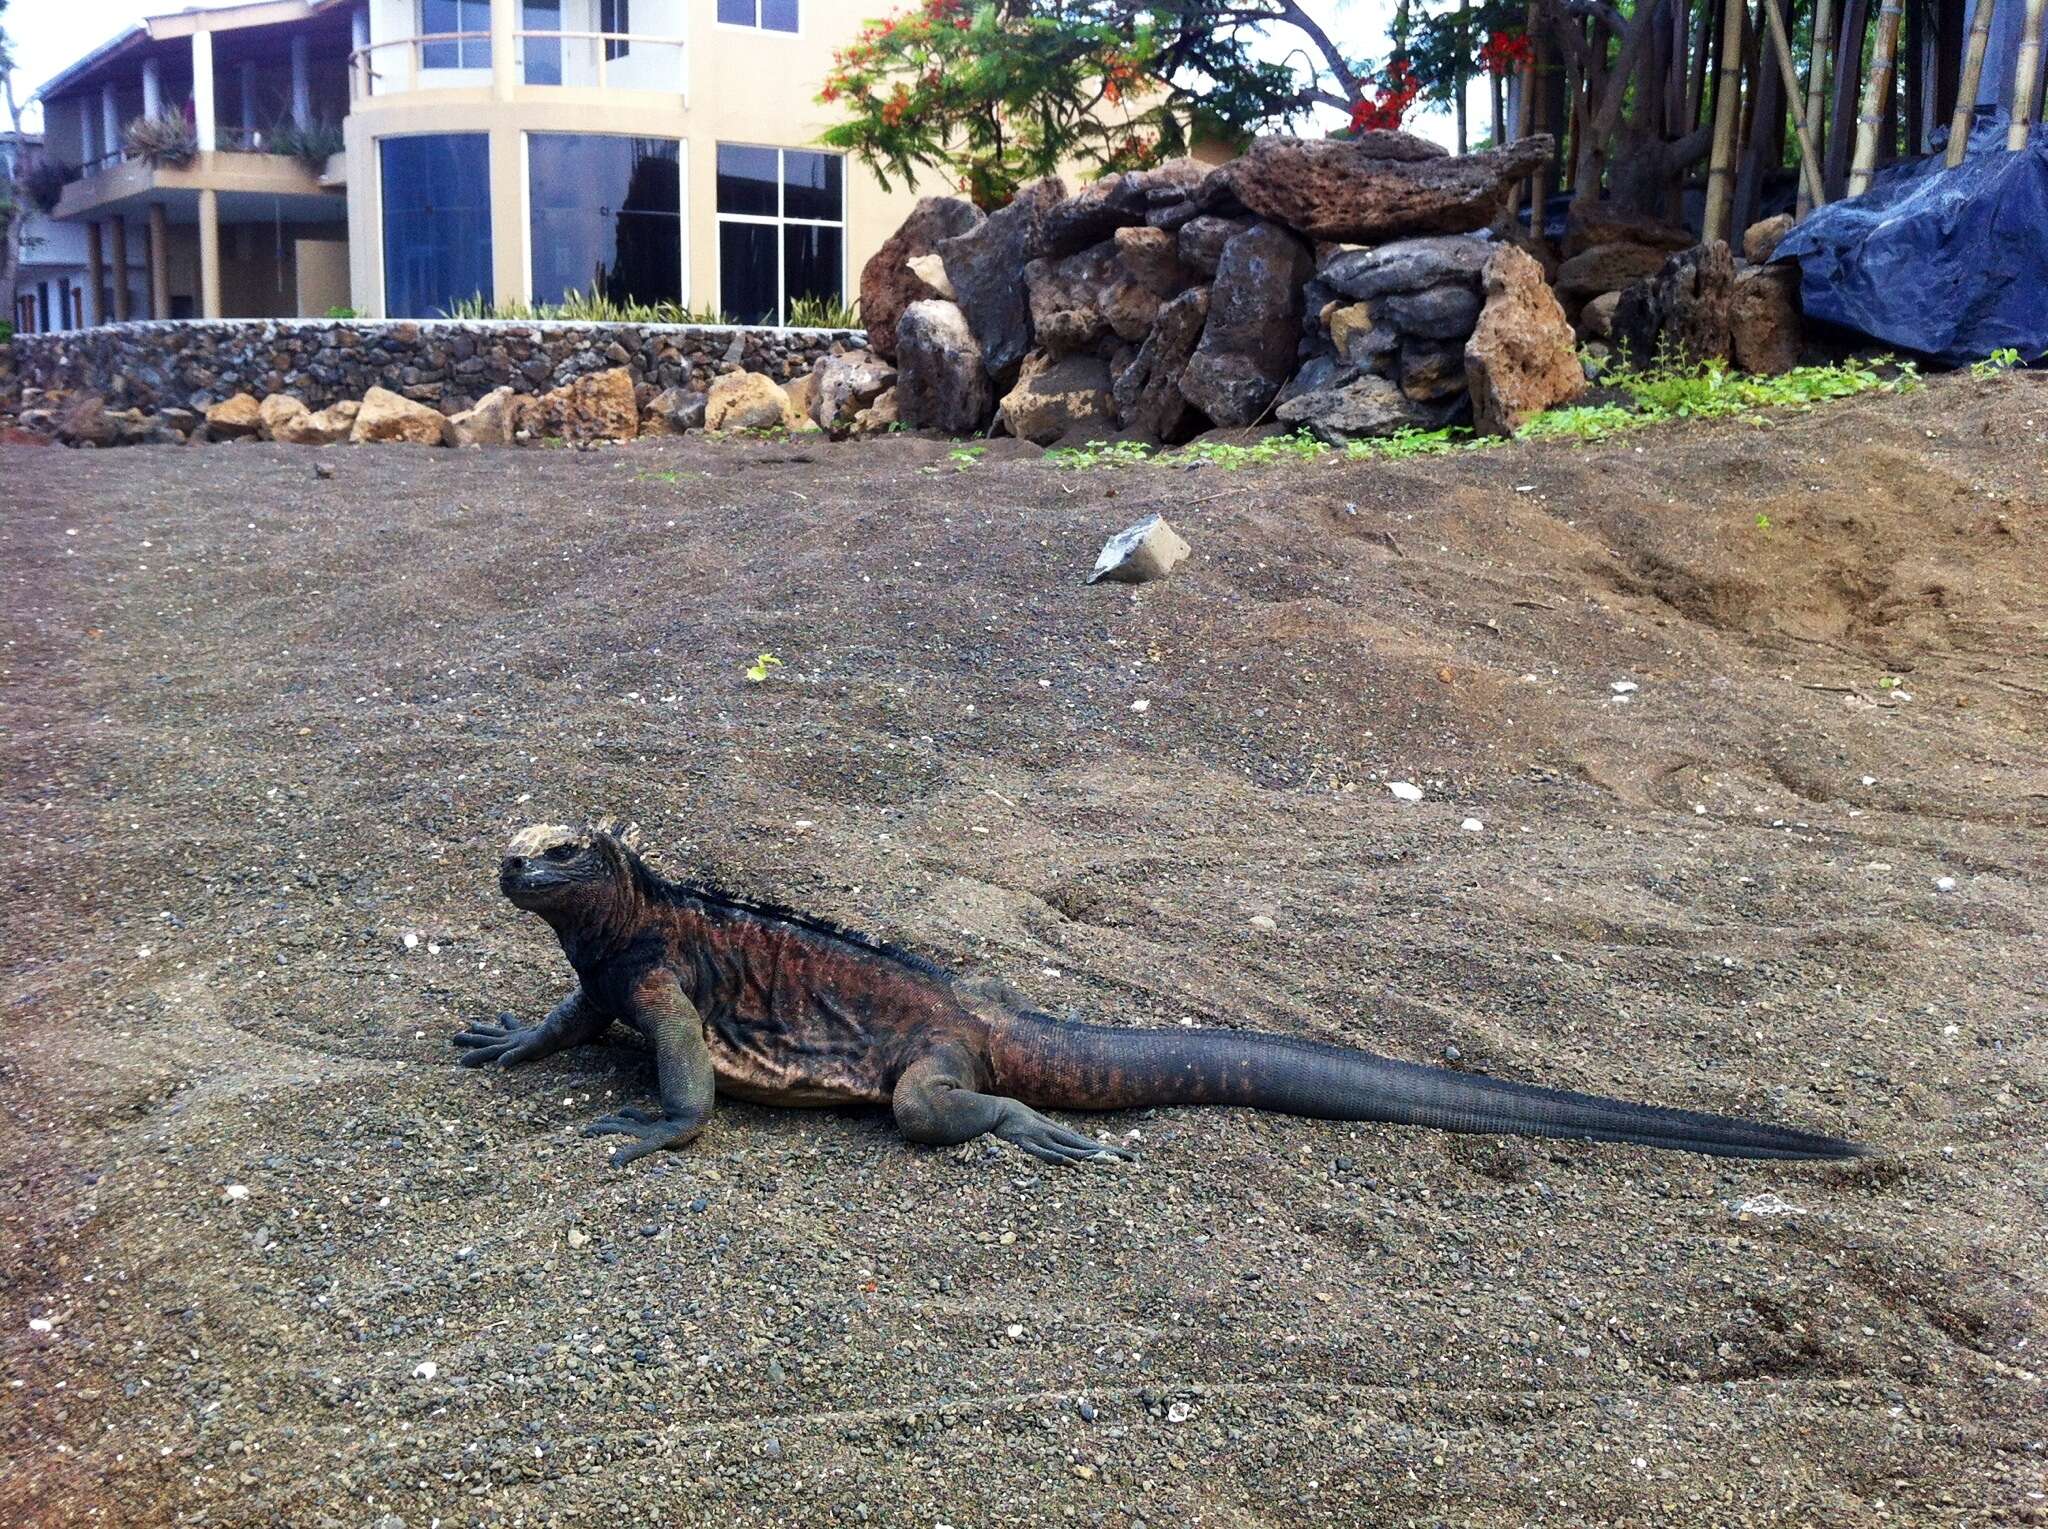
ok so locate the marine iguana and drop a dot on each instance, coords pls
(761, 1003)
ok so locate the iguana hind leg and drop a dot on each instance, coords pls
(575, 1021)
(934, 1105)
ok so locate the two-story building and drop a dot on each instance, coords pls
(400, 157)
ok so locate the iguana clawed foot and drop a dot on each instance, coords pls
(502, 1040)
(1051, 1142)
(650, 1132)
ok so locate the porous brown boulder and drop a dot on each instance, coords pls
(1147, 391)
(985, 265)
(1760, 239)
(1084, 297)
(889, 282)
(490, 421)
(1375, 187)
(1248, 344)
(602, 406)
(1606, 268)
(747, 401)
(279, 410)
(1764, 332)
(1056, 394)
(1589, 224)
(324, 427)
(385, 417)
(234, 417)
(941, 375)
(1522, 358)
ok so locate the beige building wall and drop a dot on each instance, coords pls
(743, 86)
(322, 266)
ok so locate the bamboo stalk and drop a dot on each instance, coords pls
(1817, 92)
(1966, 88)
(2027, 79)
(1727, 109)
(1809, 162)
(1877, 91)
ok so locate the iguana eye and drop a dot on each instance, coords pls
(560, 852)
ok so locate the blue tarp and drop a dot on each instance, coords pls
(1949, 263)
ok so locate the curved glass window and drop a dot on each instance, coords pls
(607, 217)
(437, 222)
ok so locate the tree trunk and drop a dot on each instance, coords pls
(1763, 152)
(1915, 73)
(1816, 100)
(1702, 57)
(1810, 189)
(1948, 56)
(1500, 120)
(1966, 88)
(1727, 111)
(1848, 75)
(1877, 91)
(2025, 102)
(1458, 74)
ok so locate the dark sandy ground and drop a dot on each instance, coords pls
(267, 1256)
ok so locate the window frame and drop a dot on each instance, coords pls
(682, 143)
(463, 46)
(615, 16)
(779, 222)
(755, 27)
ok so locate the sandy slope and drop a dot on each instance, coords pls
(262, 727)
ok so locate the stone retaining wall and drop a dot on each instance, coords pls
(446, 363)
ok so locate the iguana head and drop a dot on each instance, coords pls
(567, 875)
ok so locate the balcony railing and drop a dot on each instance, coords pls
(462, 60)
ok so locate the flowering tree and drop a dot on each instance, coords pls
(998, 95)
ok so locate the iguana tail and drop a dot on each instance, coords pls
(1091, 1067)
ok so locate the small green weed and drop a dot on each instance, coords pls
(759, 669)
(2004, 359)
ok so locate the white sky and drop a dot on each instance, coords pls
(50, 34)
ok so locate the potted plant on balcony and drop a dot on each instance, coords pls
(44, 182)
(311, 143)
(165, 139)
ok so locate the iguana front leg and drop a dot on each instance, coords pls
(935, 1103)
(575, 1021)
(682, 1063)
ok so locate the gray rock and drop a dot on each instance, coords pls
(1432, 370)
(1148, 394)
(1201, 241)
(1407, 265)
(983, 265)
(848, 384)
(1248, 344)
(1140, 553)
(1366, 406)
(1053, 396)
(942, 379)
(1319, 374)
(1441, 313)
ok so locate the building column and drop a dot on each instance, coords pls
(159, 262)
(152, 88)
(302, 80)
(110, 120)
(209, 252)
(120, 258)
(359, 39)
(88, 120)
(502, 28)
(248, 101)
(203, 112)
(96, 273)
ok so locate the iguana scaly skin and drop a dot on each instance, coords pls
(763, 1004)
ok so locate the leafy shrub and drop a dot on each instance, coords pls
(44, 182)
(165, 139)
(312, 144)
